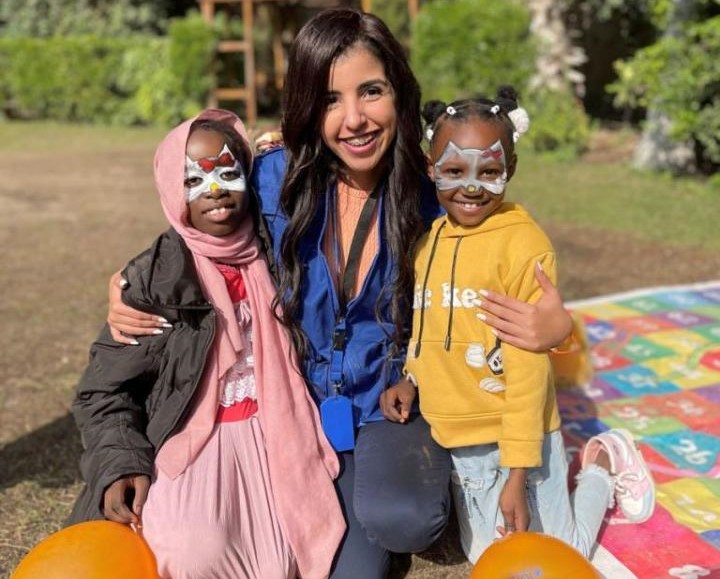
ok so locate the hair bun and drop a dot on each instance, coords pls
(432, 111)
(507, 92)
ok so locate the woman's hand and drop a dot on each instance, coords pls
(126, 322)
(115, 499)
(513, 503)
(397, 401)
(534, 327)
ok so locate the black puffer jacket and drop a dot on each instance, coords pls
(131, 398)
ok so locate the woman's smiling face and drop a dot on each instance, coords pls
(360, 120)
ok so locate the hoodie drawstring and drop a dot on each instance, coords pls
(448, 338)
(424, 289)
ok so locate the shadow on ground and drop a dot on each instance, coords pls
(48, 456)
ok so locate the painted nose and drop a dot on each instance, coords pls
(216, 190)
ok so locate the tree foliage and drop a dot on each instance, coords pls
(118, 80)
(465, 47)
(47, 18)
(679, 76)
(462, 48)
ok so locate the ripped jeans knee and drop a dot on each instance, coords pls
(477, 481)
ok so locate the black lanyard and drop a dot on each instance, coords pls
(348, 282)
(356, 245)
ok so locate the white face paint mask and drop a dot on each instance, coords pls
(213, 173)
(471, 163)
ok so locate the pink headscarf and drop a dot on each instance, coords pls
(301, 462)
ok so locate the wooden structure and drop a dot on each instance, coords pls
(247, 91)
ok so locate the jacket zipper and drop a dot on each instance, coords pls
(183, 411)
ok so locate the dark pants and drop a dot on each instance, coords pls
(394, 490)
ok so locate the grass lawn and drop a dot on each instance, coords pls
(616, 197)
(78, 201)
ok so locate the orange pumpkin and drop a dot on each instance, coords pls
(90, 550)
(532, 556)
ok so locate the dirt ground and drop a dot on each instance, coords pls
(72, 216)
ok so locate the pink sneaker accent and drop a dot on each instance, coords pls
(634, 487)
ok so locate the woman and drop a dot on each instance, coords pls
(345, 202)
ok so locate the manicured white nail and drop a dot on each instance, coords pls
(134, 343)
(161, 320)
(539, 266)
(482, 317)
(477, 303)
(123, 282)
(484, 293)
(166, 325)
(157, 331)
(494, 332)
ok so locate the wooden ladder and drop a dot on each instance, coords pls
(247, 92)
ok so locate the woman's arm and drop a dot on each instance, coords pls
(535, 327)
(126, 322)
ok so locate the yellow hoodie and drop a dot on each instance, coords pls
(474, 390)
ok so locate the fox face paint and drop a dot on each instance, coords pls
(472, 169)
(213, 173)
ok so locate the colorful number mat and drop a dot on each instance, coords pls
(655, 357)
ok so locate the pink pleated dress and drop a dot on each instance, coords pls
(218, 520)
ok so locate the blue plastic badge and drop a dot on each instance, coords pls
(337, 421)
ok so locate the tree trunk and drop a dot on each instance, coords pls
(656, 151)
(557, 63)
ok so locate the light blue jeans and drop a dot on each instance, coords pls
(478, 480)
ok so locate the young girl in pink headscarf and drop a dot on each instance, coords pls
(205, 435)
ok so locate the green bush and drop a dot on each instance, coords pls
(558, 123)
(679, 76)
(45, 18)
(63, 78)
(192, 45)
(463, 48)
(466, 47)
(136, 79)
(396, 15)
(177, 79)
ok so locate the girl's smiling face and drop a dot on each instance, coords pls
(470, 168)
(215, 184)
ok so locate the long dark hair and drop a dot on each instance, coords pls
(312, 167)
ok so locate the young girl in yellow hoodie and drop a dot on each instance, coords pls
(493, 405)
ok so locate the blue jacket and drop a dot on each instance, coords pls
(364, 366)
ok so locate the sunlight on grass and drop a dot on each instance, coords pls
(43, 136)
(616, 197)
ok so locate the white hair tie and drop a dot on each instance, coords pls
(520, 120)
(495, 109)
(450, 110)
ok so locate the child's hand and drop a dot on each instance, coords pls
(513, 503)
(115, 501)
(534, 327)
(397, 400)
(126, 322)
